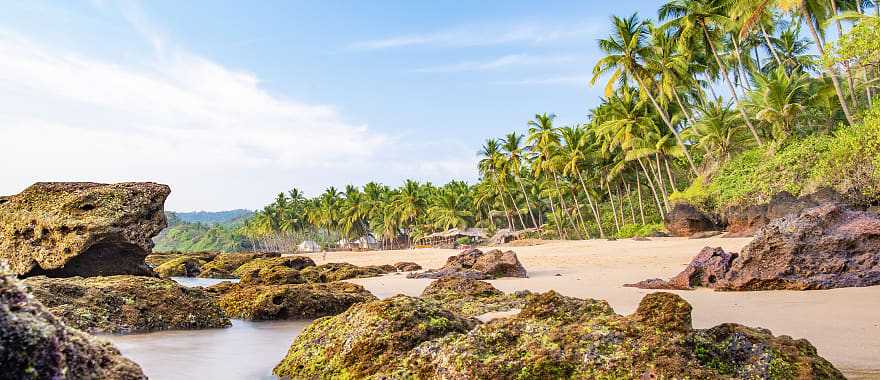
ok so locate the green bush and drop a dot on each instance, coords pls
(697, 194)
(639, 230)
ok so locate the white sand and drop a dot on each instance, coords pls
(844, 324)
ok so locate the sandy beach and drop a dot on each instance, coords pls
(844, 324)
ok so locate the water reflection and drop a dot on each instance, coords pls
(195, 281)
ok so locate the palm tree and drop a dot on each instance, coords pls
(779, 98)
(696, 20)
(544, 141)
(514, 155)
(491, 169)
(720, 132)
(625, 51)
(575, 156)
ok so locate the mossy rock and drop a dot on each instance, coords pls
(62, 229)
(127, 304)
(406, 266)
(471, 297)
(225, 264)
(367, 338)
(293, 262)
(184, 266)
(155, 259)
(331, 272)
(300, 301)
(34, 344)
(274, 275)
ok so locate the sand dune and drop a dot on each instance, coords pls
(844, 324)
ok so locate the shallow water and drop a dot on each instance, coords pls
(195, 281)
(247, 350)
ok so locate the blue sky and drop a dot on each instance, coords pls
(232, 102)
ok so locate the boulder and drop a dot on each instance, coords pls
(155, 259)
(331, 272)
(471, 298)
(829, 246)
(685, 220)
(184, 266)
(34, 344)
(224, 264)
(367, 338)
(477, 265)
(273, 271)
(301, 301)
(746, 220)
(553, 337)
(405, 266)
(126, 304)
(81, 229)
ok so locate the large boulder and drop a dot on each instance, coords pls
(553, 337)
(829, 246)
(746, 220)
(685, 220)
(156, 259)
(471, 298)
(224, 264)
(367, 338)
(81, 229)
(299, 301)
(183, 266)
(477, 265)
(331, 272)
(34, 344)
(127, 304)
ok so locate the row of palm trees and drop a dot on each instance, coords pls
(709, 79)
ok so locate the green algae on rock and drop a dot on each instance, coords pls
(367, 338)
(156, 259)
(34, 344)
(273, 271)
(295, 301)
(184, 266)
(331, 272)
(471, 297)
(127, 304)
(553, 337)
(224, 264)
(81, 229)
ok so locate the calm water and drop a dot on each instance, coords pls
(195, 281)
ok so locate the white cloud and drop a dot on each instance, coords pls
(214, 134)
(481, 36)
(498, 63)
(568, 80)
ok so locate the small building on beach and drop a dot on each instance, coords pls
(308, 246)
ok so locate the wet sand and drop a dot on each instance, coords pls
(844, 324)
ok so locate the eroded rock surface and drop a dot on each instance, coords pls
(406, 266)
(297, 301)
(747, 220)
(224, 264)
(34, 344)
(553, 337)
(126, 304)
(62, 229)
(686, 220)
(477, 265)
(471, 298)
(331, 272)
(824, 247)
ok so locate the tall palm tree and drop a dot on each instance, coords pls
(779, 98)
(544, 141)
(626, 49)
(514, 153)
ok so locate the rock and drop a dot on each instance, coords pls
(367, 338)
(127, 304)
(331, 272)
(226, 263)
(34, 344)
(686, 220)
(406, 266)
(273, 264)
(704, 234)
(274, 275)
(155, 259)
(184, 266)
(640, 238)
(476, 265)
(471, 298)
(81, 229)
(302, 301)
(556, 337)
(746, 220)
(825, 247)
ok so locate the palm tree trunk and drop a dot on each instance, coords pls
(653, 189)
(522, 223)
(668, 123)
(770, 46)
(613, 208)
(632, 211)
(560, 232)
(506, 213)
(741, 67)
(659, 175)
(684, 109)
(669, 172)
(727, 80)
(592, 207)
(620, 202)
(577, 206)
(528, 203)
(846, 67)
(830, 71)
(562, 200)
(639, 190)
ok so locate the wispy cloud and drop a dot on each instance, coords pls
(498, 63)
(567, 80)
(480, 36)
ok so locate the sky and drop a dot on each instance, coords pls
(230, 103)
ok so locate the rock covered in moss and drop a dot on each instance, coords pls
(184, 266)
(34, 344)
(331, 272)
(155, 259)
(62, 229)
(225, 264)
(273, 271)
(127, 304)
(478, 265)
(471, 297)
(299, 301)
(368, 338)
(406, 266)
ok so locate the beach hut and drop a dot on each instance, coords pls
(366, 242)
(308, 246)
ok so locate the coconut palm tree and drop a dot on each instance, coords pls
(544, 141)
(514, 153)
(779, 98)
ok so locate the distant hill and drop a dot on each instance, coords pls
(217, 217)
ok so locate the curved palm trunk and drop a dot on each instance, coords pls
(653, 189)
(668, 124)
(730, 84)
(632, 208)
(818, 41)
(741, 67)
(639, 190)
(613, 208)
(506, 213)
(684, 109)
(577, 205)
(592, 207)
(528, 203)
(658, 175)
(562, 200)
(559, 231)
(522, 223)
(770, 46)
(846, 66)
(669, 172)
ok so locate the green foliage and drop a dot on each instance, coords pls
(639, 230)
(197, 237)
(861, 44)
(697, 195)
